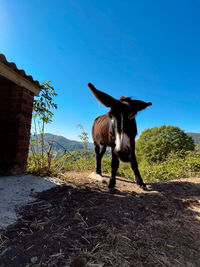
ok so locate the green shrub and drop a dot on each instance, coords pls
(192, 163)
(156, 144)
(177, 165)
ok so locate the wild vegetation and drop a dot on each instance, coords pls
(177, 164)
(163, 153)
(81, 224)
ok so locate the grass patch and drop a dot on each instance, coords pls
(177, 165)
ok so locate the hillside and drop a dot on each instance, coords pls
(61, 143)
(195, 136)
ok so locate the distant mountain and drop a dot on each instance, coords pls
(61, 143)
(195, 137)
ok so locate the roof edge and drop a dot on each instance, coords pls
(10, 71)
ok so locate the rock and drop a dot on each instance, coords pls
(34, 259)
(97, 177)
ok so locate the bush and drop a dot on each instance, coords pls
(155, 144)
(163, 156)
(177, 165)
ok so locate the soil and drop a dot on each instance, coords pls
(82, 223)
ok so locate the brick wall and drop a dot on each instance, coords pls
(15, 119)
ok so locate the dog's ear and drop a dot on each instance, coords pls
(104, 98)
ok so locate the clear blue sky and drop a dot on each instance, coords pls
(149, 50)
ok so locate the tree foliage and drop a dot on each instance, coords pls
(84, 137)
(42, 107)
(155, 144)
(42, 114)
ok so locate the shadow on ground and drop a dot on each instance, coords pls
(81, 224)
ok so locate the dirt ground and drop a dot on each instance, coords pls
(18, 190)
(82, 224)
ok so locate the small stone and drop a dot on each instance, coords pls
(96, 176)
(34, 259)
(77, 217)
(79, 262)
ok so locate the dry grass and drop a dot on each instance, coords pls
(82, 224)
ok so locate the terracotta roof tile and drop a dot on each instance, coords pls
(13, 66)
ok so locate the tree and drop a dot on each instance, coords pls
(42, 112)
(157, 143)
(43, 105)
(84, 138)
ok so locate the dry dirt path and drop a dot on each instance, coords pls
(82, 224)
